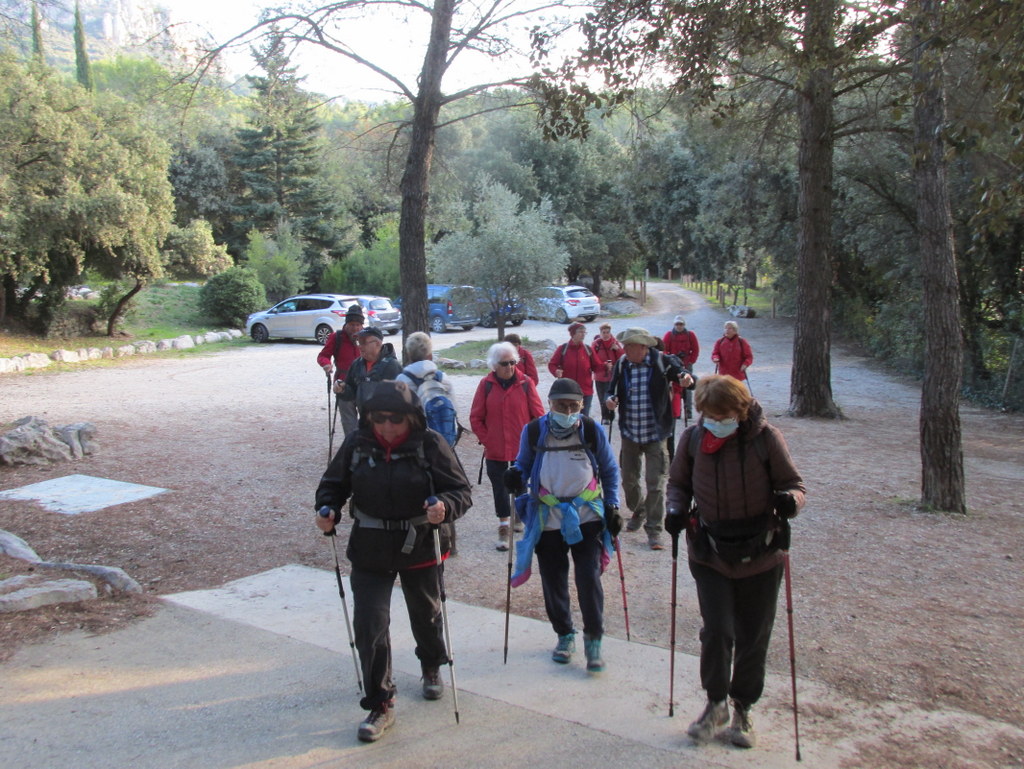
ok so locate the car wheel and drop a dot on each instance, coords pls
(393, 331)
(561, 315)
(322, 332)
(259, 333)
(518, 322)
(437, 325)
(590, 318)
(486, 322)
(467, 328)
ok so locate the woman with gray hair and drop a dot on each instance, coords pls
(505, 401)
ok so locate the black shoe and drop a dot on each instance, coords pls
(635, 523)
(433, 686)
(377, 722)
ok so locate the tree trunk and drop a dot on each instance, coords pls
(942, 469)
(122, 304)
(811, 379)
(415, 183)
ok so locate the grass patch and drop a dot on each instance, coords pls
(758, 298)
(162, 311)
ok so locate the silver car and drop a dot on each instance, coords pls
(380, 313)
(564, 303)
(307, 316)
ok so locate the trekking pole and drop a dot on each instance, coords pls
(672, 634)
(480, 475)
(332, 415)
(508, 583)
(746, 375)
(432, 500)
(792, 652)
(325, 512)
(622, 581)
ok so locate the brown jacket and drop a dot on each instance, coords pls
(734, 483)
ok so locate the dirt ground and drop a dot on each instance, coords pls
(892, 606)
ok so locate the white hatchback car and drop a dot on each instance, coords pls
(564, 304)
(307, 316)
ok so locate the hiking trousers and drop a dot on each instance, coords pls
(553, 561)
(649, 506)
(371, 621)
(738, 617)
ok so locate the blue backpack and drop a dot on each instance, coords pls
(437, 406)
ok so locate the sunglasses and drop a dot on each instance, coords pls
(379, 419)
(507, 362)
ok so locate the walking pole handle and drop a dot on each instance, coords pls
(326, 512)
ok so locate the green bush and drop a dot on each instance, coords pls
(230, 297)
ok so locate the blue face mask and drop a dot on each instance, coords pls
(721, 428)
(565, 421)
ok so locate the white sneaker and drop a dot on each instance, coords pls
(741, 730)
(502, 544)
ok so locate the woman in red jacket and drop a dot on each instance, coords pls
(732, 355)
(607, 349)
(575, 360)
(682, 343)
(505, 401)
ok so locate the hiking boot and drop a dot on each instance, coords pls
(635, 522)
(566, 646)
(741, 730)
(502, 543)
(377, 722)
(592, 647)
(433, 686)
(518, 525)
(655, 542)
(711, 721)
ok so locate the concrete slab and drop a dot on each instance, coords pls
(74, 494)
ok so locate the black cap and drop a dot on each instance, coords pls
(370, 332)
(355, 313)
(565, 389)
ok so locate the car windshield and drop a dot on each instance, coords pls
(380, 304)
(578, 292)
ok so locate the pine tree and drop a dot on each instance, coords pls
(82, 68)
(278, 163)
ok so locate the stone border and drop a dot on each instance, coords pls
(35, 360)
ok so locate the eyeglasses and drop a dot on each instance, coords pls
(507, 362)
(378, 418)
(567, 406)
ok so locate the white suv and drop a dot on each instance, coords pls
(564, 304)
(308, 316)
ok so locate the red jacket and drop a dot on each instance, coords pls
(730, 354)
(576, 362)
(684, 345)
(527, 366)
(498, 414)
(609, 351)
(342, 348)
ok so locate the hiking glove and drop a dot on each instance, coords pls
(612, 520)
(675, 523)
(513, 480)
(785, 504)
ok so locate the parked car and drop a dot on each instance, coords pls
(308, 316)
(564, 304)
(380, 313)
(513, 312)
(452, 306)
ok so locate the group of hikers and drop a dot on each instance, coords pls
(728, 485)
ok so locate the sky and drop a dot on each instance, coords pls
(392, 43)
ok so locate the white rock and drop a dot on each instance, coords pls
(48, 593)
(123, 350)
(65, 356)
(16, 547)
(36, 360)
(183, 343)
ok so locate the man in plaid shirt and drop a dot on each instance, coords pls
(640, 385)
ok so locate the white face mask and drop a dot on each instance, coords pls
(721, 428)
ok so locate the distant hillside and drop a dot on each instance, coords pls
(112, 26)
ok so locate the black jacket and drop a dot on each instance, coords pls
(386, 367)
(394, 490)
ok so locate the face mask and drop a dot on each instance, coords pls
(723, 428)
(565, 421)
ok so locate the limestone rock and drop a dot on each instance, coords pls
(45, 593)
(14, 546)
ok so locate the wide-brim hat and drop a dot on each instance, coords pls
(637, 335)
(355, 314)
(565, 389)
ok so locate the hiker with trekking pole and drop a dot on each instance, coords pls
(732, 488)
(339, 351)
(607, 349)
(682, 343)
(566, 483)
(504, 401)
(404, 487)
(731, 354)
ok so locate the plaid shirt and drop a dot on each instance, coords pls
(638, 422)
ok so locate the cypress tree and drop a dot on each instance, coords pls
(82, 68)
(38, 55)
